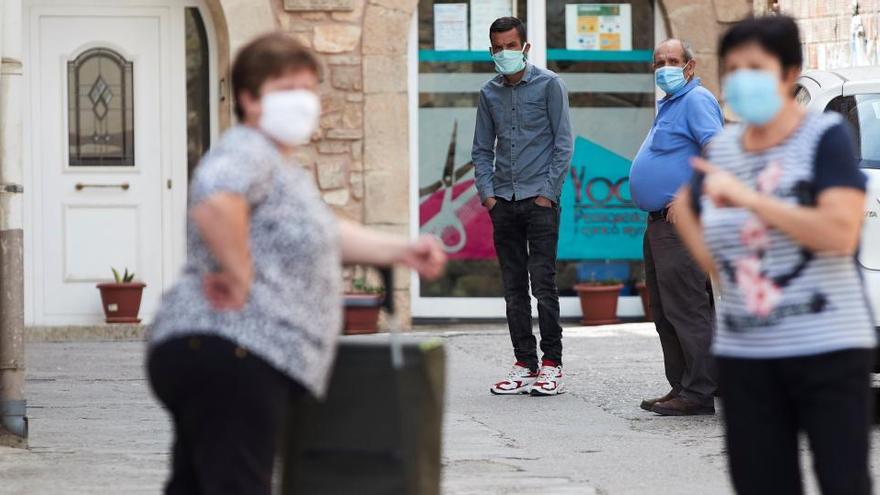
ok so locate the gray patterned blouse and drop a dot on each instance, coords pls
(294, 313)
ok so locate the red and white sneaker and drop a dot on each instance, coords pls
(519, 381)
(549, 381)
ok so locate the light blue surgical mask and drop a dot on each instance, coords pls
(753, 95)
(509, 62)
(670, 79)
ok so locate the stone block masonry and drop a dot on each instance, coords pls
(360, 156)
(837, 33)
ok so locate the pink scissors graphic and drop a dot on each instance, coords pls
(447, 224)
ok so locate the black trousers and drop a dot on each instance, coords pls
(683, 311)
(227, 407)
(526, 236)
(768, 401)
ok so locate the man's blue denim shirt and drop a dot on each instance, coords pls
(522, 140)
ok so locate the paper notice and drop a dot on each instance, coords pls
(451, 26)
(594, 26)
(483, 14)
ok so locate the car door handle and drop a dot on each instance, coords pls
(80, 186)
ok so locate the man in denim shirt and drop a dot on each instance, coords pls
(688, 117)
(522, 147)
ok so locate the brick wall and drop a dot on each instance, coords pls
(701, 23)
(827, 27)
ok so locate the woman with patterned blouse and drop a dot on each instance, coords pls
(256, 313)
(777, 212)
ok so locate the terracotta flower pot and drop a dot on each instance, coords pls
(122, 302)
(598, 303)
(646, 300)
(362, 313)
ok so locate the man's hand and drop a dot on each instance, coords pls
(543, 202)
(490, 203)
(426, 256)
(672, 210)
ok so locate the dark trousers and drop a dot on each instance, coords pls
(526, 236)
(683, 311)
(227, 407)
(768, 401)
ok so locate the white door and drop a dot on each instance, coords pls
(105, 95)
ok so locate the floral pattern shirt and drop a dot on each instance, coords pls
(294, 314)
(779, 299)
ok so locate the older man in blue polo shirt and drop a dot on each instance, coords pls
(681, 299)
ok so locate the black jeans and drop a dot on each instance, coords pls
(526, 236)
(227, 407)
(768, 401)
(682, 307)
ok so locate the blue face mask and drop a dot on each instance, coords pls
(509, 62)
(670, 79)
(753, 95)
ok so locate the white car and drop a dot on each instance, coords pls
(855, 93)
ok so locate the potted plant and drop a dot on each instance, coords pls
(599, 301)
(362, 305)
(122, 298)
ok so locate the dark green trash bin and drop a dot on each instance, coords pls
(379, 430)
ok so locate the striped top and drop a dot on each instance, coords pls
(777, 298)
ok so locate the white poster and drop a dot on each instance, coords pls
(451, 26)
(483, 14)
(598, 26)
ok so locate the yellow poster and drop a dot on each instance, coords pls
(594, 26)
(587, 25)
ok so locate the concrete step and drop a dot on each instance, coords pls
(85, 333)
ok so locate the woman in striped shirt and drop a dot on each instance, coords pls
(777, 208)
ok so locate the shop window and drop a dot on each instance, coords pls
(101, 110)
(454, 61)
(603, 52)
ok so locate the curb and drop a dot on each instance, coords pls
(85, 333)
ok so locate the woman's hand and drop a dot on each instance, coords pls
(225, 291)
(723, 188)
(365, 246)
(425, 256)
(223, 220)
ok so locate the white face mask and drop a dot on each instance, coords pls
(290, 117)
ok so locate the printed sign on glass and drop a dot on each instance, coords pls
(595, 26)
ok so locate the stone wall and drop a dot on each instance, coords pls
(836, 33)
(702, 23)
(364, 93)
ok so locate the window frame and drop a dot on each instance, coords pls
(75, 156)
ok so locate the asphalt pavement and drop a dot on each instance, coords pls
(96, 429)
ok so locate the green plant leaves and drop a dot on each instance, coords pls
(122, 279)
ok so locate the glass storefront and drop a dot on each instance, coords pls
(603, 52)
